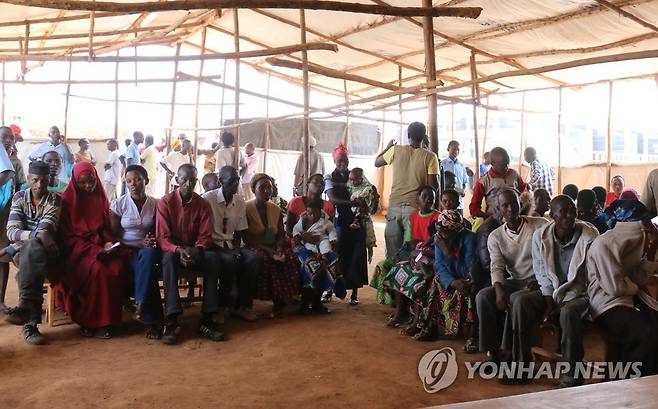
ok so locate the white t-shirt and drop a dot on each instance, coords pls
(135, 225)
(225, 157)
(113, 174)
(174, 161)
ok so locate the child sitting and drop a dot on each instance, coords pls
(315, 240)
(450, 201)
(361, 189)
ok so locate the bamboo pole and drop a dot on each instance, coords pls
(266, 146)
(486, 127)
(514, 73)
(177, 5)
(559, 141)
(172, 111)
(305, 122)
(223, 86)
(111, 82)
(236, 42)
(346, 134)
(608, 170)
(476, 98)
(626, 14)
(66, 104)
(221, 56)
(328, 72)
(430, 73)
(26, 47)
(198, 93)
(522, 134)
(116, 100)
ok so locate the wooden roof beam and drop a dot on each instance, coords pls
(628, 15)
(329, 5)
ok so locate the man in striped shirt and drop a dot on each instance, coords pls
(31, 228)
(541, 174)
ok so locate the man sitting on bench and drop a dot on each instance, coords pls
(32, 224)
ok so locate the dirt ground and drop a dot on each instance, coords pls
(346, 359)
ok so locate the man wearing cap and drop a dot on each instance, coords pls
(58, 145)
(315, 165)
(32, 228)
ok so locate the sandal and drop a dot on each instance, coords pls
(470, 347)
(103, 333)
(152, 332)
(425, 335)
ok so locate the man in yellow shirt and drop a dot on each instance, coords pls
(413, 168)
(150, 159)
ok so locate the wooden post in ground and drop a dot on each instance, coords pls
(116, 99)
(305, 122)
(430, 73)
(608, 170)
(522, 134)
(400, 104)
(236, 42)
(266, 145)
(198, 94)
(2, 107)
(486, 127)
(452, 121)
(475, 94)
(172, 112)
(66, 104)
(346, 134)
(221, 106)
(559, 142)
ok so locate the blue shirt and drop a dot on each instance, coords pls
(484, 169)
(461, 178)
(132, 155)
(452, 268)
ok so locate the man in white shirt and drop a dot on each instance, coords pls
(229, 222)
(175, 160)
(112, 175)
(58, 145)
(225, 156)
(510, 248)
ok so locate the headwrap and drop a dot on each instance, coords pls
(85, 212)
(451, 220)
(39, 168)
(257, 178)
(629, 194)
(176, 144)
(339, 150)
(15, 129)
(627, 210)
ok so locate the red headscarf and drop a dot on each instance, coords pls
(340, 150)
(87, 212)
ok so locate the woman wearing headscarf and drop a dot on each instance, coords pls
(92, 277)
(352, 250)
(278, 279)
(451, 303)
(620, 267)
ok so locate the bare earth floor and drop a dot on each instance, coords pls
(346, 359)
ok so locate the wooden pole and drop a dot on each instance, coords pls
(26, 47)
(221, 106)
(66, 104)
(486, 127)
(608, 172)
(2, 106)
(400, 105)
(172, 112)
(475, 94)
(92, 19)
(559, 141)
(176, 5)
(305, 123)
(522, 134)
(116, 100)
(135, 48)
(452, 121)
(346, 134)
(430, 74)
(198, 94)
(266, 146)
(236, 42)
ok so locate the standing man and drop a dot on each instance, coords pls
(112, 167)
(413, 167)
(225, 155)
(249, 170)
(229, 224)
(131, 155)
(172, 162)
(541, 174)
(451, 164)
(58, 145)
(149, 159)
(316, 165)
(183, 231)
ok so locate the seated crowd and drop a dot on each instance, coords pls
(527, 259)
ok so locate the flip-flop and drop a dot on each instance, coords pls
(103, 333)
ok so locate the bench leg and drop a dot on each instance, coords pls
(50, 306)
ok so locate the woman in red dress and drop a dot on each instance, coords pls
(93, 275)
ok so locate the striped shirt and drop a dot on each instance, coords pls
(25, 219)
(541, 176)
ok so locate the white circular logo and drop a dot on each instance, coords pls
(437, 369)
